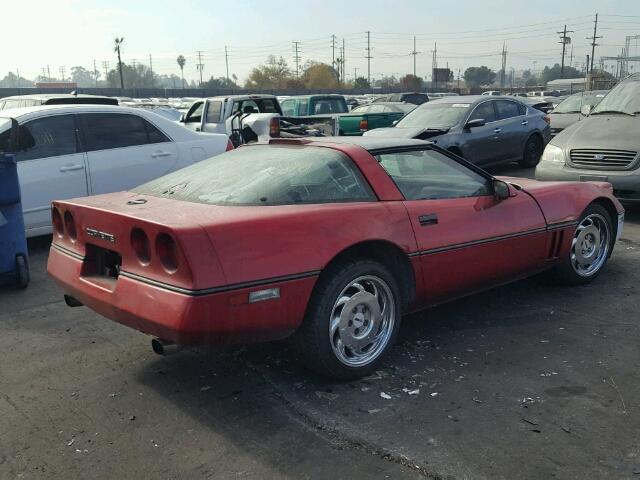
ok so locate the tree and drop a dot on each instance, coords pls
(12, 80)
(181, 63)
(387, 82)
(275, 73)
(554, 73)
(320, 75)
(361, 82)
(84, 77)
(476, 76)
(138, 76)
(411, 82)
(117, 44)
(220, 82)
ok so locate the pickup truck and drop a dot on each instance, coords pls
(355, 122)
(250, 118)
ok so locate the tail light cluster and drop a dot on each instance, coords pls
(63, 225)
(547, 119)
(165, 248)
(274, 127)
(364, 125)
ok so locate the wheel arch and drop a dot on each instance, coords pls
(388, 254)
(609, 206)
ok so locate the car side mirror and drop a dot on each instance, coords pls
(586, 110)
(394, 123)
(477, 122)
(501, 190)
(182, 118)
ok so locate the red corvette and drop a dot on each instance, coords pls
(329, 240)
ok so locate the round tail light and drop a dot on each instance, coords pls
(167, 252)
(56, 221)
(140, 246)
(70, 225)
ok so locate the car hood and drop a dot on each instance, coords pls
(601, 131)
(398, 132)
(563, 120)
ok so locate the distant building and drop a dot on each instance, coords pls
(570, 85)
(71, 85)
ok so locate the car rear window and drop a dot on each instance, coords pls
(323, 106)
(266, 175)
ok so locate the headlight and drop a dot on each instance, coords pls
(553, 154)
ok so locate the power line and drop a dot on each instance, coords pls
(593, 42)
(564, 40)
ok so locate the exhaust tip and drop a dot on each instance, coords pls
(72, 302)
(163, 347)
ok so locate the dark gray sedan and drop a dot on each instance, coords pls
(485, 130)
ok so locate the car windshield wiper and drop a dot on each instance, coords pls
(604, 112)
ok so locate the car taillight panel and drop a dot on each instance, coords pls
(70, 226)
(140, 246)
(56, 220)
(364, 125)
(274, 127)
(547, 120)
(167, 252)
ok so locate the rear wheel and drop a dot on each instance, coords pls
(532, 152)
(22, 271)
(352, 320)
(591, 246)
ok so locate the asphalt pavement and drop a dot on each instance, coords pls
(525, 381)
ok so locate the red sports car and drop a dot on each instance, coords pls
(327, 241)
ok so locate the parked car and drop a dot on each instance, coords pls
(416, 98)
(19, 101)
(538, 103)
(603, 146)
(569, 111)
(306, 105)
(492, 93)
(235, 249)
(78, 150)
(250, 118)
(485, 130)
(544, 93)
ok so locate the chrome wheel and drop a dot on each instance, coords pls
(590, 245)
(362, 321)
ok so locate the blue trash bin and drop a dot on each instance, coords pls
(14, 257)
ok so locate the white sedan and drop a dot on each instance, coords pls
(70, 151)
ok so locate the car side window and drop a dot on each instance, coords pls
(194, 115)
(213, 111)
(105, 131)
(522, 109)
(303, 107)
(507, 109)
(48, 137)
(288, 107)
(484, 111)
(431, 175)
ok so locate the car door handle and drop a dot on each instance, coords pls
(71, 168)
(497, 130)
(160, 154)
(525, 122)
(428, 219)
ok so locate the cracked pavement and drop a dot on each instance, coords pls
(524, 381)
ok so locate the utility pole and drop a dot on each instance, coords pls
(504, 65)
(296, 57)
(200, 65)
(333, 52)
(369, 57)
(48, 73)
(344, 61)
(355, 73)
(95, 73)
(226, 60)
(593, 42)
(564, 40)
(18, 79)
(105, 65)
(151, 69)
(414, 53)
(434, 66)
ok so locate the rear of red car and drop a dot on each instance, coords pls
(122, 260)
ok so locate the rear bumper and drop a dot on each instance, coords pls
(626, 184)
(187, 319)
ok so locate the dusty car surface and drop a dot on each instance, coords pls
(569, 111)
(603, 146)
(484, 129)
(328, 242)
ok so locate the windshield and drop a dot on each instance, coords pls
(435, 115)
(266, 175)
(574, 103)
(624, 98)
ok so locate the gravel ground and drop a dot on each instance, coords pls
(524, 381)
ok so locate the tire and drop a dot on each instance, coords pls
(22, 271)
(355, 342)
(577, 268)
(532, 152)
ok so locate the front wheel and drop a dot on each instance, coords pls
(532, 152)
(591, 246)
(352, 320)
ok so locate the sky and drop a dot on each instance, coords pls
(66, 33)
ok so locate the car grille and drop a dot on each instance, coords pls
(601, 159)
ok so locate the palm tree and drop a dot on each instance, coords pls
(117, 44)
(181, 63)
